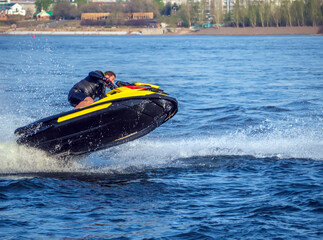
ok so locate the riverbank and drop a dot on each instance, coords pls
(168, 31)
(261, 31)
(82, 31)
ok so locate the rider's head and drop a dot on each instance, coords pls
(110, 75)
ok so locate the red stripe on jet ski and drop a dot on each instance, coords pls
(135, 87)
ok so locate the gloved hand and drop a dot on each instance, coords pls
(110, 84)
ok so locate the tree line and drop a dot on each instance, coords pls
(265, 14)
(244, 13)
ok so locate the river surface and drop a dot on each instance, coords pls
(242, 158)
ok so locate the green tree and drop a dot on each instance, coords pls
(167, 9)
(216, 11)
(43, 5)
(175, 7)
(237, 13)
(65, 10)
(113, 7)
(143, 6)
(80, 2)
(189, 14)
(261, 13)
(276, 14)
(297, 10)
(185, 15)
(136, 6)
(240, 13)
(252, 14)
(227, 19)
(202, 11)
(286, 12)
(90, 8)
(244, 16)
(313, 12)
(195, 12)
(116, 19)
(160, 3)
(267, 13)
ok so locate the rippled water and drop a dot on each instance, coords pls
(242, 159)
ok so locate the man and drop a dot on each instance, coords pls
(93, 86)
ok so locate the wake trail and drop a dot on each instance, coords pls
(154, 152)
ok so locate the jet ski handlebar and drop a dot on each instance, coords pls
(112, 86)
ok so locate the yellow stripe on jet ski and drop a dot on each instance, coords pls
(118, 93)
(124, 92)
(146, 84)
(125, 136)
(83, 112)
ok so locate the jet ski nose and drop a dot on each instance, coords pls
(169, 106)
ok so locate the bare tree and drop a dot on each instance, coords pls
(237, 13)
(276, 15)
(143, 6)
(297, 15)
(261, 12)
(65, 10)
(252, 14)
(267, 13)
(314, 13)
(185, 14)
(90, 8)
(286, 9)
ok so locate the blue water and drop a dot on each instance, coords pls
(242, 159)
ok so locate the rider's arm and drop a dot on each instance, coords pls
(97, 75)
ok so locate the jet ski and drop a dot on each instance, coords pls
(125, 114)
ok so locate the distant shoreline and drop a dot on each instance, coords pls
(223, 31)
(262, 31)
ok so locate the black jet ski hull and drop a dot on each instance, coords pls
(122, 121)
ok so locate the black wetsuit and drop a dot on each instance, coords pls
(92, 86)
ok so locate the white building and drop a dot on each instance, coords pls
(12, 8)
(28, 5)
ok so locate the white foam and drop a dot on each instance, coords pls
(271, 145)
(21, 159)
(260, 142)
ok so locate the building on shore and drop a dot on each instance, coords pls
(43, 15)
(94, 16)
(9, 8)
(130, 16)
(28, 5)
(141, 16)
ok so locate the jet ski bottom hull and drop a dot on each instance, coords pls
(120, 122)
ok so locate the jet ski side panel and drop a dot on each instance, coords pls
(104, 124)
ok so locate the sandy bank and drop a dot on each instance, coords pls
(18, 32)
(177, 31)
(261, 31)
(90, 31)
